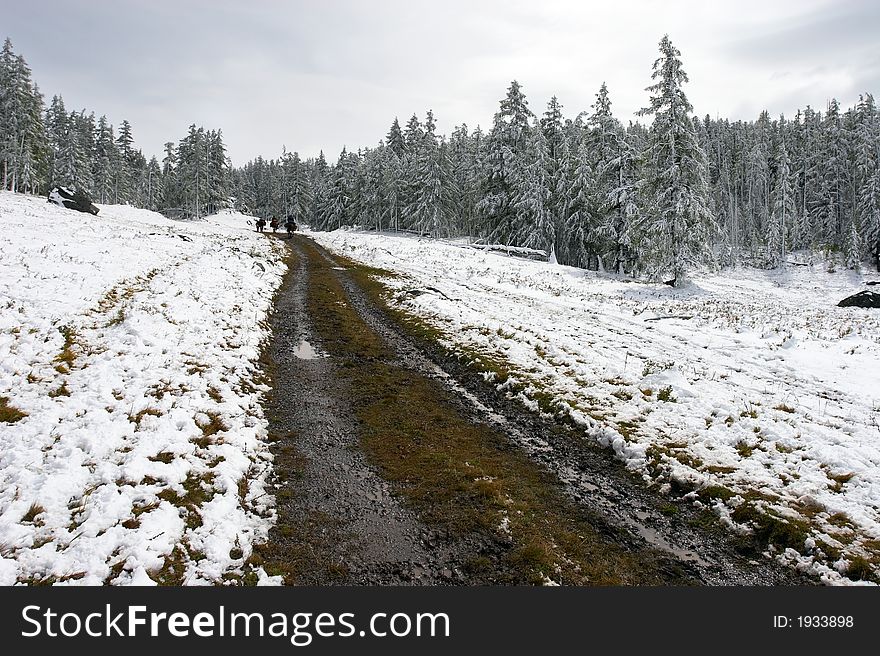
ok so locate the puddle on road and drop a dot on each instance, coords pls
(305, 351)
(654, 538)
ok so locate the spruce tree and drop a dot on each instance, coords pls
(579, 226)
(783, 211)
(394, 140)
(532, 197)
(680, 232)
(504, 158)
(867, 177)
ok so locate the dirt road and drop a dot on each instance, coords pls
(397, 464)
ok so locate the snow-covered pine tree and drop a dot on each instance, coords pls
(337, 202)
(723, 158)
(867, 176)
(680, 232)
(74, 157)
(319, 183)
(124, 183)
(394, 140)
(414, 140)
(758, 181)
(34, 148)
(373, 205)
(783, 206)
(104, 161)
(553, 127)
(477, 227)
(869, 216)
(579, 226)
(56, 132)
(392, 172)
(170, 183)
(616, 182)
(560, 200)
(301, 189)
(808, 227)
(23, 146)
(85, 128)
(507, 141)
(216, 172)
(532, 197)
(834, 181)
(153, 193)
(433, 197)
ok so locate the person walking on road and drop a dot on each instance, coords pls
(261, 223)
(274, 225)
(291, 226)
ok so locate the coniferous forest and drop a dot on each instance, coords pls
(651, 200)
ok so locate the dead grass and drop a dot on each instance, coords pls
(61, 390)
(119, 295)
(137, 418)
(744, 449)
(839, 480)
(67, 357)
(210, 429)
(196, 367)
(9, 414)
(197, 491)
(39, 581)
(174, 569)
(33, 512)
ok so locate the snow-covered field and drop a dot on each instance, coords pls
(750, 387)
(129, 342)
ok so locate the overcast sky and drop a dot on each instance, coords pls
(323, 74)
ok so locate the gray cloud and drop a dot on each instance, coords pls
(314, 75)
(836, 32)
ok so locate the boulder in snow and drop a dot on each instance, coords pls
(865, 299)
(73, 200)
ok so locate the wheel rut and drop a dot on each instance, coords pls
(338, 521)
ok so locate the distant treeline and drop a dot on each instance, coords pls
(645, 201)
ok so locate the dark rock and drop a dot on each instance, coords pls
(865, 299)
(73, 200)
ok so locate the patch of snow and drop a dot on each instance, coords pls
(131, 341)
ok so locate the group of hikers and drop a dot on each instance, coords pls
(289, 225)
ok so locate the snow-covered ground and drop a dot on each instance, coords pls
(130, 343)
(750, 387)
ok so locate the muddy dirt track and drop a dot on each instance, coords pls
(397, 464)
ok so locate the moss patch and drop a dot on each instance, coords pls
(771, 529)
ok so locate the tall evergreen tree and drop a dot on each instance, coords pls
(783, 211)
(680, 233)
(507, 141)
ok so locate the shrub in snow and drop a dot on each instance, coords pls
(73, 200)
(865, 299)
